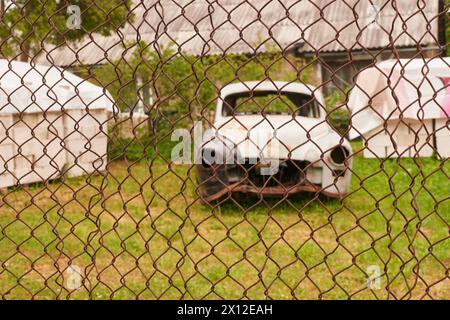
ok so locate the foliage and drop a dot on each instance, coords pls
(338, 115)
(47, 22)
(135, 149)
(182, 82)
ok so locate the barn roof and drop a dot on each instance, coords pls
(245, 26)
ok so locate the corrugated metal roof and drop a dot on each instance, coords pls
(246, 26)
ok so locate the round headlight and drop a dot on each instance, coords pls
(339, 154)
(208, 157)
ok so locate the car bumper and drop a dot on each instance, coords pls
(222, 181)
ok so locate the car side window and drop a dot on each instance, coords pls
(307, 106)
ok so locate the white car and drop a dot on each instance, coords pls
(271, 138)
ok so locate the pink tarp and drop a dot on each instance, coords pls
(411, 89)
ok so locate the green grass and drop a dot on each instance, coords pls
(140, 232)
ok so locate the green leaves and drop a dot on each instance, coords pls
(29, 24)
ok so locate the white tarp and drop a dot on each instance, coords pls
(408, 88)
(37, 88)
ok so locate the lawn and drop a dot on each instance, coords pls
(139, 231)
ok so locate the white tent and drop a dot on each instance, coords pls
(410, 98)
(52, 122)
(37, 88)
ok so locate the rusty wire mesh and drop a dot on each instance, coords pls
(93, 204)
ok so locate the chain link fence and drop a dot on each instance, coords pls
(224, 149)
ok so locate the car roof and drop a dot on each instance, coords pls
(282, 86)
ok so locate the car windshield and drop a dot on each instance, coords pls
(270, 102)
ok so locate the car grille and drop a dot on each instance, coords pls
(290, 173)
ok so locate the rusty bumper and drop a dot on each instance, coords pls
(215, 184)
(267, 191)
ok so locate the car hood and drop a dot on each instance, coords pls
(276, 136)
